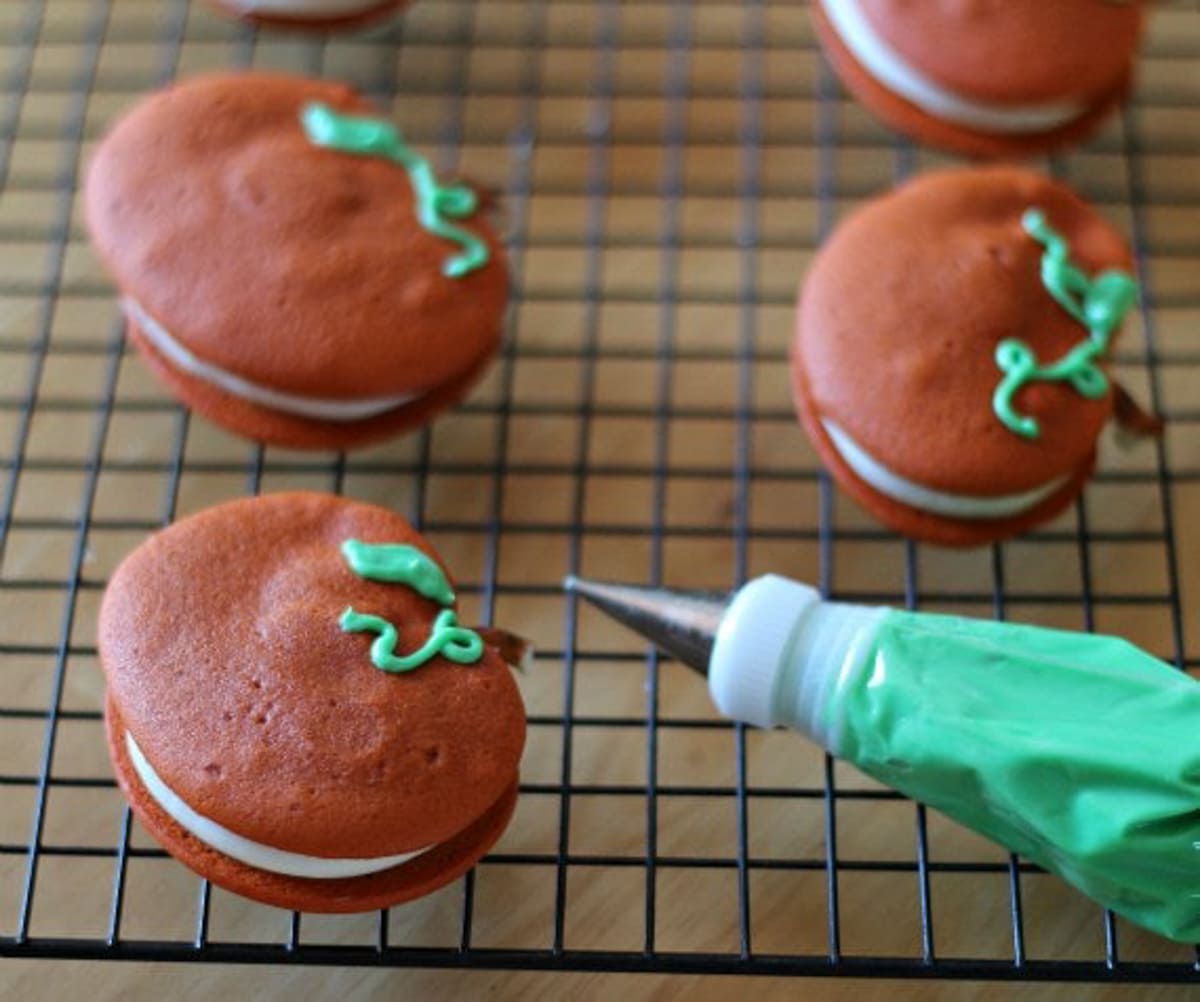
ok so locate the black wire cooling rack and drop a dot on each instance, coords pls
(667, 168)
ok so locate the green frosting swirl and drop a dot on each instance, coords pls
(1099, 304)
(451, 641)
(437, 204)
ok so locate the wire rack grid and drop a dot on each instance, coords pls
(668, 169)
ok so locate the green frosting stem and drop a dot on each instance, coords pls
(1098, 304)
(451, 641)
(436, 203)
(399, 563)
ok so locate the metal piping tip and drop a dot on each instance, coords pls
(682, 623)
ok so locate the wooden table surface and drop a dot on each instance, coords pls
(640, 425)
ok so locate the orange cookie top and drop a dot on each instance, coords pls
(1013, 50)
(286, 261)
(230, 662)
(903, 312)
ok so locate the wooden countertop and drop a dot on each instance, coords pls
(694, 466)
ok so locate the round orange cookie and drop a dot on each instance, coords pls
(288, 266)
(252, 731)
(314, 15)
(985, 78)
(896, 364)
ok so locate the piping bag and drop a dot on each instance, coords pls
(1079, 752)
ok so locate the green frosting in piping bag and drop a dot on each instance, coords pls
(1074, 750)
(437, 204)
(1099, 304)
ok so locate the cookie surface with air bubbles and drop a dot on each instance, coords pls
(226, 665)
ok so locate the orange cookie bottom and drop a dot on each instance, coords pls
(420, 876)
(272, 427)
(336, 22)
(907, 118)
(922, 525)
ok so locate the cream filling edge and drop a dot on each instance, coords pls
(289, 403)
(244, 850)
(890, 68)
(898, 488)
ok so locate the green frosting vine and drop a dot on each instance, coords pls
(396, 563)
(437, 204)
(457, 643)
(1099, 304)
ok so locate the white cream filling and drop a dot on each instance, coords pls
(290, 403)
(306, 6)
(896, 487)
(889, 68)
(264, 857)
